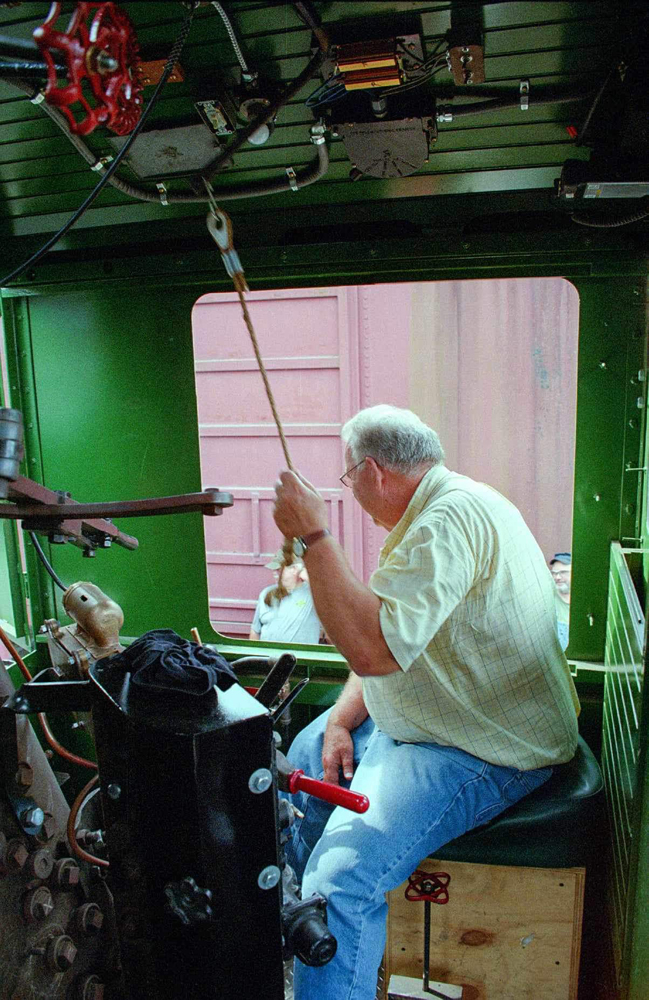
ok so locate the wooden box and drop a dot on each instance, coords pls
(505, 934)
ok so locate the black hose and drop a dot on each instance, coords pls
(46, 563)
(171, 62)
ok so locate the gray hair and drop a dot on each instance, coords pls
(397, 439)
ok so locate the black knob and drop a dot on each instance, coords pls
(312, 941)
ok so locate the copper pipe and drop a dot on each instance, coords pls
(72, 819)
(42, 718)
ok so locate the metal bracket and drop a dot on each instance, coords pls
(50, 696)
(524, 91)
(292, 178)
(163, 193)
(8, 743)
(101, 163)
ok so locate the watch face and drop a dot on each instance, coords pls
(299, 546)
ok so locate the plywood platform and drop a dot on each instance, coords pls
(505, 934)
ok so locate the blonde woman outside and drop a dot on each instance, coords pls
(285, 611)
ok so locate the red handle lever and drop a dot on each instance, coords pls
(298, 782)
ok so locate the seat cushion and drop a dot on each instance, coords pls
(546, 828)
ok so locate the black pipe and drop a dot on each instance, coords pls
(24, 70)
(481, 107)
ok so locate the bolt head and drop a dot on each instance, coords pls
(89, 919)
(90, 988)
(66, 873)
(16, 855)
(61, 953)
(48, 829)
(40, 864)
(33, 816)
(37, 904)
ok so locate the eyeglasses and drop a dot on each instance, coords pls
(344, 476)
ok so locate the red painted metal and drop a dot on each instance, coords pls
(117, 92)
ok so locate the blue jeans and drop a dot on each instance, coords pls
(422, 795)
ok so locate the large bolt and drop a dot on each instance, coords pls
(37, 904)
(66, 873)
(89, 988)
(260, 781)
(33, 816)
(16, 855)
(40, 863)
(88, 919)
(269, 877)
(61, 953)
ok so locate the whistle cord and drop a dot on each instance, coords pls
(220, 228)
(262, 370)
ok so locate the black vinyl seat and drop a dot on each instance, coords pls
(547, 829)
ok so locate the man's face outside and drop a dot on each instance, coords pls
(561, 574)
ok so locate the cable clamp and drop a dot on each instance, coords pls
(292, 178)
(163, 193)
(524, 91)
(38, 98)
(318, 134)
(100, 164)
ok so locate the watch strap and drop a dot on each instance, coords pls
(315, 536)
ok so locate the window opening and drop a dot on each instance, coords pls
(490, 364)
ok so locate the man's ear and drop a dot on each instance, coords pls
(377, 471)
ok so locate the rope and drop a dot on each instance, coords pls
(220, 228)
(288, 553)
(262, 371)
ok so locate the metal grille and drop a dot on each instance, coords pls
(621, 726)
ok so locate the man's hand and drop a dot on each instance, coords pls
(299, 508)
(337, 752)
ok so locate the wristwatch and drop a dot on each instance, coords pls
(306, 541)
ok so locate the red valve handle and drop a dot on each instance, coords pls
(104, 55)
(298, 782)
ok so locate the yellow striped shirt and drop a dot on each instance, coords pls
(467, 610)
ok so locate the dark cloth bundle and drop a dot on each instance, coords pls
(163, 661)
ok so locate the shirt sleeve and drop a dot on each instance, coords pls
(422, 582)
(256, 622)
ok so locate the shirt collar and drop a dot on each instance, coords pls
(428, 487)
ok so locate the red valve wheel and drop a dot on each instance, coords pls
(102, 64)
